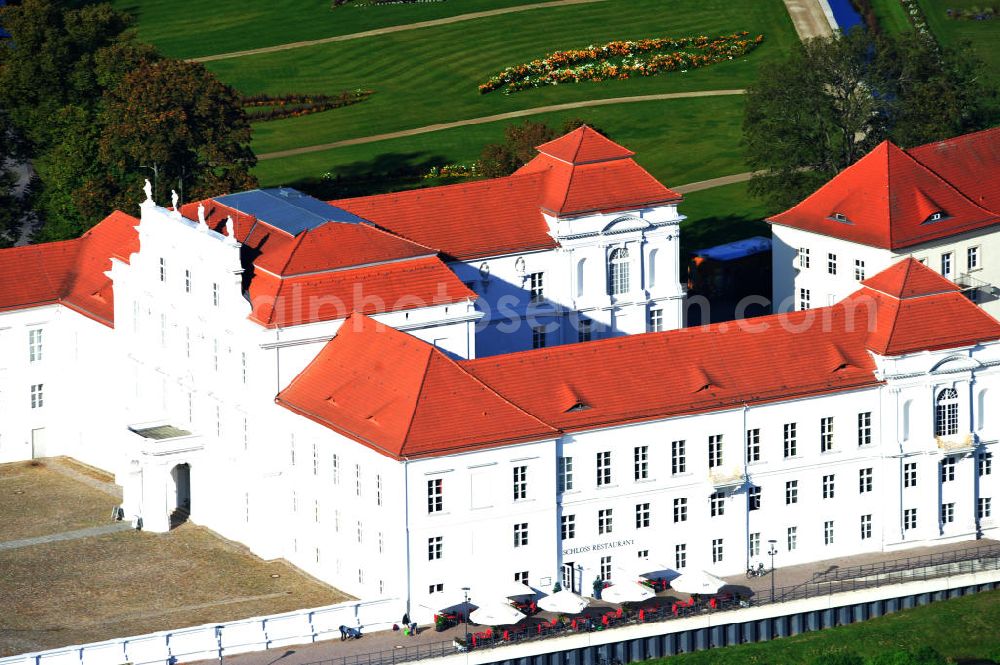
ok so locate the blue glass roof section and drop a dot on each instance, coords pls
(736, 250)
(287, 209)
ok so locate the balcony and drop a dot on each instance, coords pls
(977, 290)
(158, 439)
(958, 443)
(732, 477)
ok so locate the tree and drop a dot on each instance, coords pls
(177, 119)
(501, 159)
(11, 209)
(834, 99)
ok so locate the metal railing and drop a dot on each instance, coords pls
(853, 578)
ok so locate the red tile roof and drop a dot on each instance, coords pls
(402, 397)
(579, 173)
(397, 286)
(371, 385)
(886, 199)
(69, 272)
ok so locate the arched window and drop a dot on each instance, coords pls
(618, 271)
(982, 410)
(581, 271)
(946, 413)
(652, 267)
(907, 406)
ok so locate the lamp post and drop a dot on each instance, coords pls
(772, 552)
(465, 590)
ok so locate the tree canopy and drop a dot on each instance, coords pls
(834, 99)
(518, 148)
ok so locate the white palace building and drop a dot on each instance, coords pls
(427, 390)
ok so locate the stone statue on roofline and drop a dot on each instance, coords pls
(174, 199)
(231, 229)
(201, 217)
(148, 188)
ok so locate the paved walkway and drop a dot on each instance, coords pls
(494, 118)
(71, 470)
(393, 28)
(66, 535)
(390, 641)
(810, 18)
(714, 182)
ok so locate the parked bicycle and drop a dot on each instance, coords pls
(756, 572)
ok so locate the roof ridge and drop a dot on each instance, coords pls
(472, 184)
(368, 224)
(296, 243)
(429, 350)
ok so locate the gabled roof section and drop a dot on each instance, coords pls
(582, 146)
(69, 272)
(327, 296)
(889, 199)
(970, 163)
(465, 221)
(908, 279)
(402, 397)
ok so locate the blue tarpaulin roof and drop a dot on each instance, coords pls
(287, 209)
(736, 250)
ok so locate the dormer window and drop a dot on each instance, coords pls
(840, 217)
(935, 217)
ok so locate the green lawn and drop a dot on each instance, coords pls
(431, 75)
(678, 141)
(960, 629)
(720, 215)
(197, 28)
(891, 16)
(983, 35)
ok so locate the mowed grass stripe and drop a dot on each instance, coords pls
(429, 76)
(206, 27)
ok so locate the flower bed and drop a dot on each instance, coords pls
(622, 60)
(268, 107)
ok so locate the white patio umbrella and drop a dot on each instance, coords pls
(495, 614)
(444, 600)
(627, 592)
(509, 589)
(563, 602)
(697, 581)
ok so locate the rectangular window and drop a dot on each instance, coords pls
(187, 281)
(714, 451)
(521, 577)
(680, 510)
(521, 534)
(678, 457)
(35, 345)
(537, 285)
(804, 299)
(37, 395)
(828, 487)
(791, 492)
(717, 551)
(315, 459)
(435, 548)
(984, 508)
(865, 480)
(947, 513)
(831, 263)
(641, 454)
(753, 498)
(163, 269)
(946, 264)
(947, 469)
(866, 527)
(803, 257)
(378, 489)
(215, 355)
(360, 532)
(605, 520)
(316, 511)
(717, 504)
(972, 258)
(357, 480)
(538, 337)
(435, 495)
(826, 434)
(910, 474)
(583, 332)
(656, 320)
(828, 532)
(336, 469)
(755, 544)
(520, 482)
(603, 469)
(564, 474)
(793, 538)
(680, 556)
(984, 464)
(243, 367)
(909, 519)
(859, 270)
(865, 428)
(568, 527)
(606, 568)
(641, 515)
(791, 440)
(753, 445)
(435, 588)
(215, 294)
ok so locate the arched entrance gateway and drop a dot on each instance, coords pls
(181, 477)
